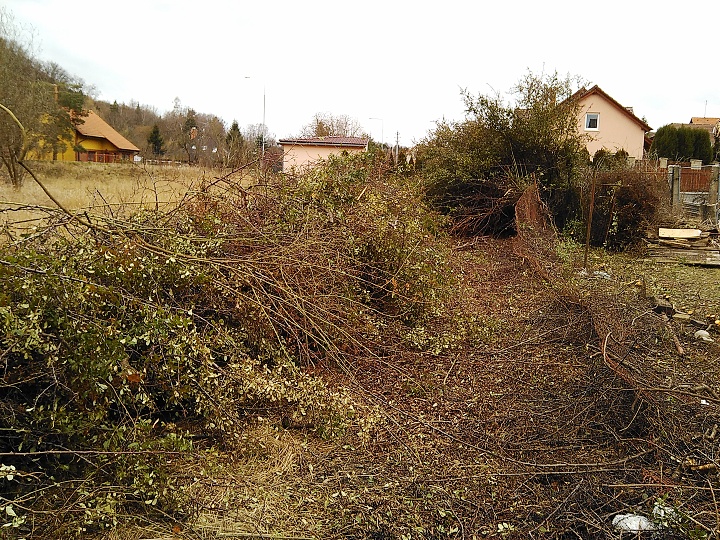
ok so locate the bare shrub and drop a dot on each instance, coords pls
(637, 391)
(627, 202)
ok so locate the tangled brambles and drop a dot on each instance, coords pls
(130, 343)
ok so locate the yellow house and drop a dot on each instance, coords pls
(608, 125)
(95, 140)
(304, 152)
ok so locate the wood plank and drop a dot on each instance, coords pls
(682, 245)
(679, 233)
(685, 256)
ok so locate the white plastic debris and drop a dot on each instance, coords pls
(664, 515)
(703, 335)
(632, 523)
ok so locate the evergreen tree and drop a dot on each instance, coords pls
(156, 142)
(682, 143)
(234, 136)
(702, 146)
(63, 116)
(235, 144)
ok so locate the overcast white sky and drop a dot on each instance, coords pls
(400, 62)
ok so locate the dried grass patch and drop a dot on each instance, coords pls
(112, 188)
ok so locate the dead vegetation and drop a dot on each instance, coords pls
(577, 408)
(539, 400)
(572, 408)
(102, 188)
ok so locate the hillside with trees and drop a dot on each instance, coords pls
(47, 101)
(187, 135)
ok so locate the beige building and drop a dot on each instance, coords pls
(302, 153)
(711, 125)
(608, 125)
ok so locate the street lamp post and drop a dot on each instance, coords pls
(262, 127)
(382, 129)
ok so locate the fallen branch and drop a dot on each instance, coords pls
(676, 341)
(260, 535)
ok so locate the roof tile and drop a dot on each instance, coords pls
(94, 126)
(331, 140)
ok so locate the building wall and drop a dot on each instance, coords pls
(68, 154)
(89, 144)
(616, 131)
(41, 153)
(300, 156)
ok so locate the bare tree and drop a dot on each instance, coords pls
(19, 94)
(326, 125)
(211, 140)
(42, 97)
(180, 125)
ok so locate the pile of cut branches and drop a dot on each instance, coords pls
(130, 341)
(643, 398)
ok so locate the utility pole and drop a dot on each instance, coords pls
(397, 147)
(263, 127)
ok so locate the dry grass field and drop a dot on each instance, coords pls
(97, 188)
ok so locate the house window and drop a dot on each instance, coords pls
(592, 122)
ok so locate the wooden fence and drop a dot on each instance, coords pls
(104, 157)
(695, 180)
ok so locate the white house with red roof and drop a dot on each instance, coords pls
(608, 125)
